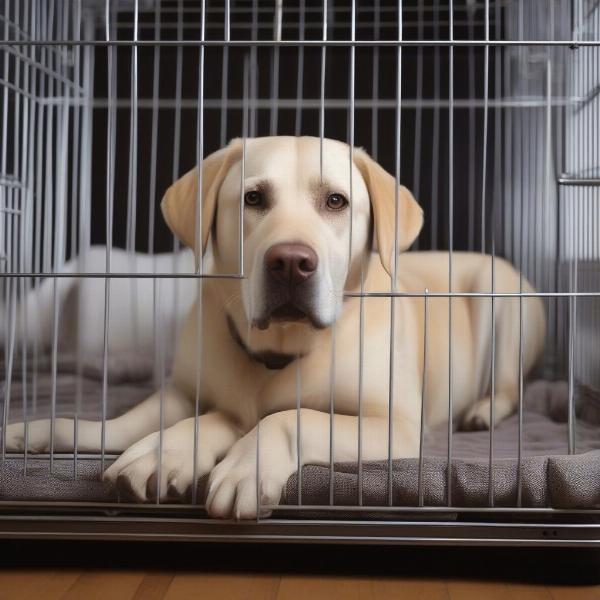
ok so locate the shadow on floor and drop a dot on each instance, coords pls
(525, 565)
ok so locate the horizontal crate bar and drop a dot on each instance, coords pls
(131, 275)
(574, 44)
(305, 531)
(579, 181)
(126, 275)
(182, 507)
(314, 103)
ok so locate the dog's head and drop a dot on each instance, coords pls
(306, 231)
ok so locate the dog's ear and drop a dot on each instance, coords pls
(382, 192)
(181, 200)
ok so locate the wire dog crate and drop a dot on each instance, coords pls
(489, 112)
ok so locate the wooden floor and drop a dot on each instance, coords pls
(109, 571)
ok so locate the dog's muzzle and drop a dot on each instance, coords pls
(289, 284)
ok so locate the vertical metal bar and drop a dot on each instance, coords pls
(199, 252)
(394, 282)
(49, 179)
(520, 182)
(450, 244)
(21, 204)
(298, 363)
(332, 373)
(472, 141)
(59, 242)
(322, 98)
(133, 177)
(361, 300)
(198, 383)
(299, 429)
(159, 328)
(26, 234)
(436, 130)
(110, 176)
(351, 124)
(573, 233)
(178, 85)
(420, 490)
(375, 95)
(154, 135)
(4, 234)
(77, 208)
(361, 343)
(200, 148)
(483, 243)
(275, 67)
(39, 193)
(84, 204)
(300, 80)
(225, 73)
(418, 111)
(332, 368)
(253, 63)
(7, 201)
(12, 310)
(243, 180)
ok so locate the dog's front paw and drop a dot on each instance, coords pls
(41, 436)
(236, 489)
(138, 476)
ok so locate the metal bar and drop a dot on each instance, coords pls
(123, 275)
(132, 182)
(159, 328)
(300, 80)
(450, 249)
(199, 254)
(275, 67)
(435, 133)
(299, 430)
(177, 124)
(154, 135)
(578, 181)
(394, 279)
(76, 243)
(420, 491)
(483, 245)
(110, 176)
(454, 43)
(332, 416)
(311, 103)
(225, 76)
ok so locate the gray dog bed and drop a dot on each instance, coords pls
(549, 476)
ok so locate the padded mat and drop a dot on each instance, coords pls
(547, 476)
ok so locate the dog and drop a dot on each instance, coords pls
(254, 356)
(81, 302)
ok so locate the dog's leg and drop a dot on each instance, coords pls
(119, 433)
(137, 475)
(232, 486)
(510, 332)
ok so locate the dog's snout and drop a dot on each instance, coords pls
(291, 264)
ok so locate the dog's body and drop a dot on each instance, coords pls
(266, 341)
(80, 303)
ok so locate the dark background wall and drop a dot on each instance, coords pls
(425, 78)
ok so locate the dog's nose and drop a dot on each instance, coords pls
(291, 264)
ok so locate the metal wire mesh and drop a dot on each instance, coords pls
(487, 110)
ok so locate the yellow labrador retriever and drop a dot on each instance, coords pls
(308, 238)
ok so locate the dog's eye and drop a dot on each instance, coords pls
(336, 202)
(253, 198)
